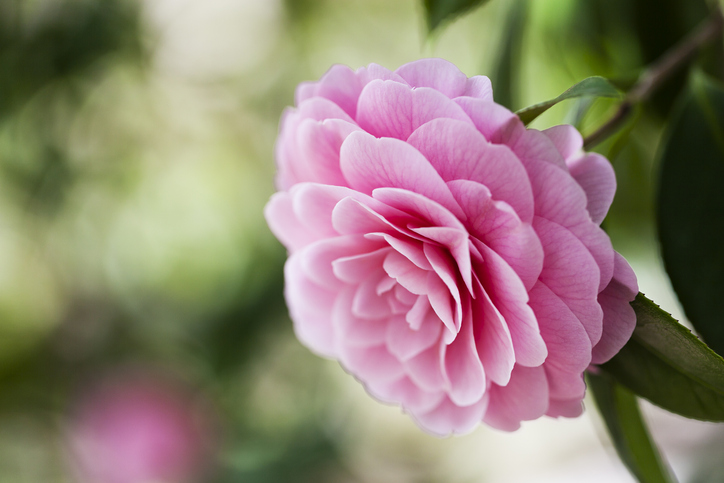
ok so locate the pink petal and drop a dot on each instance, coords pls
(377, 72)
(561, 200)
(352, 331)
(353, 215)
(404, 342)
(444, 268)
(404, 391)
(367, 304)
(480, 87)
(410, 249)
(457, 244)
(319, 109)
(497, 225)
(596, 176)
(570, 408)
(569, 347)
(407, 274)
(510, 297)
(317, 259)
(391, 109)
(426, 368)
(566, 139)
(311, 308)
(463, 367)
(571, 273)
(371, 365)
(495, 122)
(449, 418)
(443, 305)
(438, 74)
(493, 339)
(317, 150)
(369, 163)
(418, 206)
(282, 221)
(523, 399)
(534, 145)
(340, 85)
(355, 268)
(458, 151)
(619, 318)
(419, 312)
(564, 384)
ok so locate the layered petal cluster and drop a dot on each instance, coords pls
(448, 257)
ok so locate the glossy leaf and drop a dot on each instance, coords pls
(439, 11)
(627, 429)
(666, 364)
(591, 86)
(691, 207)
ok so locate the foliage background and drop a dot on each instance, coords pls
(136, 155)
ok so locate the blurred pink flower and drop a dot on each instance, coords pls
(448, 257)
(138, 429)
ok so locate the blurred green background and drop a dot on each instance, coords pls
(136, 155)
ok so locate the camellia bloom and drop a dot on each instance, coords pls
(448, 257)
(135, 428)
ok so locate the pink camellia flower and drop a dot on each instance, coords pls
(133, 428)
(448, 257)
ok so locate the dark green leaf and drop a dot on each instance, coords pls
(666, 364)
(620, 412)
(439, 11)
(591, 86)
(504, 76)
(691, 207)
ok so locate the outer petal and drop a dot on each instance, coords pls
(571, 273)
(523, 399)
(340, 85)
(311, 309)
(595, 175)
(459, 152)
(566, 138)
(495, 122)
(390, 109)
(449, 418)
(619, 319)
(438, 74)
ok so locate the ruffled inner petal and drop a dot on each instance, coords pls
(369, 163)
(497, 225)
(510, 297)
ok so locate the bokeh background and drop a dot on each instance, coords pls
(143, 333)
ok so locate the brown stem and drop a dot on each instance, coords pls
(658, 72)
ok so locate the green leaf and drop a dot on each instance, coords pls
(632, 441)
(591, 86)
(666, 364)
(505, 73)
(691, 207)
(439, 11)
